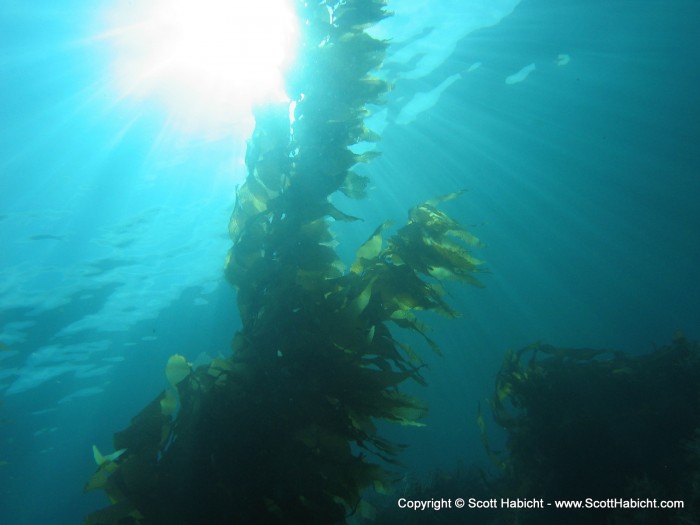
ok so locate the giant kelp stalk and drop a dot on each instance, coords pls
(283, 430)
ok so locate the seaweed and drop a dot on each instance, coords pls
(580, 423)
(283, 430)
(600, 424)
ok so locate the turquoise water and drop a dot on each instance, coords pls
(583, 179)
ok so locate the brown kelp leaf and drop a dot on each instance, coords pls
(354, 185)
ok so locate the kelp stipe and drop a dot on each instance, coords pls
(283, 430)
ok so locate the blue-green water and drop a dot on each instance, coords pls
(583, 181)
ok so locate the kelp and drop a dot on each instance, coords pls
(283, 431)
(600, 424)
(582, 423)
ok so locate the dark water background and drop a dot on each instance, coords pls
(584, 182)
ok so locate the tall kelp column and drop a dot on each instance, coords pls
(283, 430)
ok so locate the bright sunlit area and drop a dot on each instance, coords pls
(205, 62)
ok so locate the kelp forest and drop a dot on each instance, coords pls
(284, 430)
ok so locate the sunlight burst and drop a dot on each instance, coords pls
(208, 61)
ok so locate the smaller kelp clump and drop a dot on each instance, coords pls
(602, 425)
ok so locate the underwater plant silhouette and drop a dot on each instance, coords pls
(283, 430)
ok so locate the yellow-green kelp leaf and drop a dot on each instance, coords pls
(177, 369)
(219, 368)
(413, 357)
(101, 459)
(467, 237)
(406, 319)
(106, 466)
(359, 303)
(168, 405)
(407, 410)
(373, 246)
